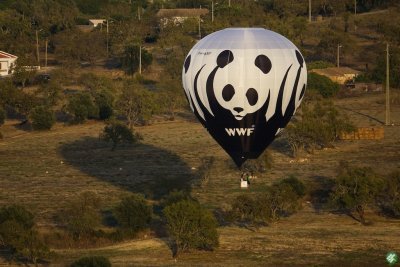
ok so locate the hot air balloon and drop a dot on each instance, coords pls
(244, 85)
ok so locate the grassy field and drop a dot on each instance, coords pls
(45, 170)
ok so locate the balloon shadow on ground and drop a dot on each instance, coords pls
(139, 168)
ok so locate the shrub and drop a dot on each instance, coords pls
(2, 116)
(18, 234)
(319, 126)
(81, 106)
(390, 196)
(117, 132)
(297, 185)
(104, 101)
(176, 196)
(92, 261)
(322, 84)
(133, 213)
(42, 118)
(319, 65)
(280, 199)
(81, 216)
(191, 226)
(355, 189)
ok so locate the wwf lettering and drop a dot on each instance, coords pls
(239, 131)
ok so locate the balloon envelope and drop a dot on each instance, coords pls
(244, 85)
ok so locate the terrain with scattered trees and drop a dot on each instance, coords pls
(103, 163)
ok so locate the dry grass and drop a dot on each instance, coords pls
(44, 170)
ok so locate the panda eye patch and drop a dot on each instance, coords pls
(252, 96)
(228, 92)
(263, 63)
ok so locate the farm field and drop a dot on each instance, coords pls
(44, 170)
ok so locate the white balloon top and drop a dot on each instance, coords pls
(244, 38)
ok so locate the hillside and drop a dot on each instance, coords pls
(45, 170)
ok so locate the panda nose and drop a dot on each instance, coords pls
(238, 110)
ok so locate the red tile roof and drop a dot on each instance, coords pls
(6, 55)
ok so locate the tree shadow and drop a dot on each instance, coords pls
(321, 187)
(139, 168)
(363, 114)
(281, 145)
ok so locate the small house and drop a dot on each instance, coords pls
(7, 62)
(179, 15)
(340, 75)
(96, 22)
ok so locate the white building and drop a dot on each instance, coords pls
(7, 62)
(96, 22)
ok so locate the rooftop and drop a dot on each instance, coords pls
(335, 71)
(182, 12)
(6, 55)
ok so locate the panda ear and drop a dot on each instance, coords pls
(263, 63)
(224, 58)
(187, 63)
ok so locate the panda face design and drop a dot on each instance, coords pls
(241, 96)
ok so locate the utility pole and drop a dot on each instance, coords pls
(387, 120)
(37, 47)
(309, 10)
(212, 11)
(140, 59)
(45, 62)
(107, 37)
(229, 3)
(355, 7)
(199, 28)
(338, 55)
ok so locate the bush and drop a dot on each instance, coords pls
(191, 226)
(82, 215)
(2, 116)
(42, 118)
(133, 213)
(320, 125)
(117, 132)
(175, 197)
(280, 199)
(18, 234)
(92, 261)
(390, 196)
(81, 106)
(104, 101)
(355, 189)
(322, 84)
(319, 65)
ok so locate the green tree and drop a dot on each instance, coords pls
(17, 232)
(49, 93)
(92, 261)
(191, 226)
(81, 106)
(322, 84)
(320, 125)
(389, 199)
(355, 189)
(104, 100)
(130, 60)
(133, 213)
(2, 115)
(42, 118)
(117, 132)
(22, 75)
(280, 199)
(137, 104)
(81, 216)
